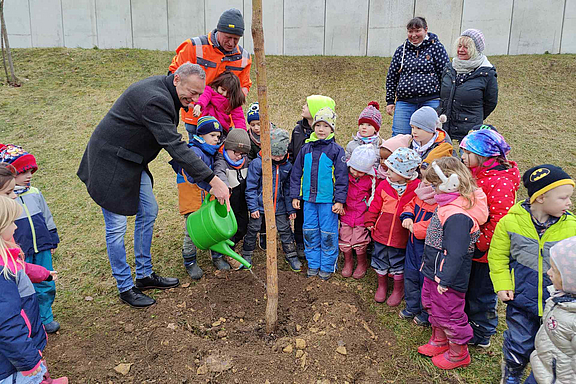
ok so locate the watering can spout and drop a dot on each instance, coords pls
(223, 247)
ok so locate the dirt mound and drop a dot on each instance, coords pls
(214, 331)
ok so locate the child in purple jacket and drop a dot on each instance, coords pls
(353, 233)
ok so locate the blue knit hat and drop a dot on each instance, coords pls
(253, 112)
(427, 119)
(485, 141)
(207, 124)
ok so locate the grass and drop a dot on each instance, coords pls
(66, 92)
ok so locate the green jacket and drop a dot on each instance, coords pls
(519, 258)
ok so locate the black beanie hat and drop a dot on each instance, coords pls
(231, 21)
(542, 178)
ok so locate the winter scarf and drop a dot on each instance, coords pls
(445, 198)
(425, 193)
(465, 66)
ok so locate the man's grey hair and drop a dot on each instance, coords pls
(189, 69)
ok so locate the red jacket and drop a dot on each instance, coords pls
(500, 186)
(384, 214)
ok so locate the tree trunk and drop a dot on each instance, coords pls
(271, 259)
(12, 79)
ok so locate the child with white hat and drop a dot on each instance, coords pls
(353, 234)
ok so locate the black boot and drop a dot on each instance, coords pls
(156, 282)
(135, 298)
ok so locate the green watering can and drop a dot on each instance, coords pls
(212, 226)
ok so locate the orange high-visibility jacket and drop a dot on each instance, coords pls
(203, 51)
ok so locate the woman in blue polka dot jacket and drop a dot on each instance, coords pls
(413, 79)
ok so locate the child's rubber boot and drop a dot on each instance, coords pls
(362, 265)
(456, 356)
(437, 345)
(48, 380)
(398, 293)
(348, 263)
(380, 295)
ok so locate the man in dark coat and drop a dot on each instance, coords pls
(115, 170)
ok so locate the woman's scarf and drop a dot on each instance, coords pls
(465, 66)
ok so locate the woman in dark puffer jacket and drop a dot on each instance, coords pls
(469, 88)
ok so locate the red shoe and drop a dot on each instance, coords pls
(362, 265)
(380, 295)
(456, 356)
(348, 263)
(398, 293)
(437, 345)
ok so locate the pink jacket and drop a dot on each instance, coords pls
(215, 105)
(359, 192)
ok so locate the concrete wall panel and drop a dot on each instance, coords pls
(443, 17)
(493, 18)
(150, 24)
(46, 23)
(79, 18)
(387, 25)
(215, 8)
(17, 17)
(185, 20)
(273, 15)
(346, 27)
(304, 27)
(114, 23)
(569, 30)
(534, 29)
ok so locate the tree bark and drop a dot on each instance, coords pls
(12, 79)
(271, 259)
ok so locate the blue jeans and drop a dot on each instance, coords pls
(320, 230)
(402, 113)
(143, 228)
(45, 290)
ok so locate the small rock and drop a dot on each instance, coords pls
(309, 288)
(217, 364)
(267, 382)
(360, 287)
(321, 333)
(202, 370)
(88, 298)
(316, 317)
(181, 305)
(241, 314)
(128, 328)
(216, 323)
(123, 369)
(172, 326)
(300, 344)
(288, 348)
(298, 327)
(303, 360)
(341, 350)
(221, 334)
(299, 353)
(185, 285)
(313, 330)
(222, 319)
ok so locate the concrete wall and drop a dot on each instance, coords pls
(294, 27)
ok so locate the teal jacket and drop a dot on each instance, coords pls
(519, 258)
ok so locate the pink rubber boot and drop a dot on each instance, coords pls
(437, 345)
(456, 356)
(381, 291)
(398, 293)
(348, 263)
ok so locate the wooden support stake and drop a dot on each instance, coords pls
(271, 259)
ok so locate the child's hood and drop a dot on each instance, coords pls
(13, 264)
(478, 212)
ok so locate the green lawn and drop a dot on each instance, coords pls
(66, 92)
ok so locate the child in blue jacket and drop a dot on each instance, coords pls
(320, 178)
(281, 167)
(36, 234)
(22, 337)
(205, 144)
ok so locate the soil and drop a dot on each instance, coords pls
(215, 331)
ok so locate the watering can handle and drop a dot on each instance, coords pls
(206, 198)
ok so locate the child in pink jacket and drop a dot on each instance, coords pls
(223, 99)
(353, 233)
